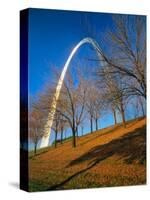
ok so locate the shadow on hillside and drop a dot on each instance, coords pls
(131, 147)
(112, 129)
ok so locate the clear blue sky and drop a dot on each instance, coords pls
(52, 35)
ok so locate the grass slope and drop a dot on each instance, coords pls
(114, 156)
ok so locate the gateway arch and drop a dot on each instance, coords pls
(48, 125)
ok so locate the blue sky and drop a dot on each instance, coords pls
(52, 36)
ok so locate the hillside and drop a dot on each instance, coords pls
(113, 156)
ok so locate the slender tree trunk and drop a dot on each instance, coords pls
(35, 148)
(55, 139)
(123, 116)
(91, 122)
(96, 123)
(74, 135)
(115, 117)
(74, 138)
(61, 135)
(36, 142)
(77, 132)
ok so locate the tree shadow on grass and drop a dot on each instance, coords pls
(130, 147)
(106, 132)
(112, 129)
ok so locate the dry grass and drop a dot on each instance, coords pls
(114, 156)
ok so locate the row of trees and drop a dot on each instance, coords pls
(118, 82)
(124, 70)
(76, 104)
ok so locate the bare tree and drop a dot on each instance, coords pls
(126, 54)
(142, 104)
(98, 107)
(94, 104)
(115, 93)
(63, 126)
(71, 104)
(90, 105)
(44, 105)
(59, 126)
(35, 128)
(56, 125)
(139, 106)
(114, 113)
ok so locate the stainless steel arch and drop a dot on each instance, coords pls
(48, 125)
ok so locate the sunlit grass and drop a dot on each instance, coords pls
(115, 156)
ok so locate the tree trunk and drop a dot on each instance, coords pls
(55, 139)
(61, 135)
(123, 116)
(77, 132)
(35, 148)
(91, 121)
(74, 138)
(96, 123)
(73, 134)
(115, 118)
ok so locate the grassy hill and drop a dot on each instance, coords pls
(114, 156)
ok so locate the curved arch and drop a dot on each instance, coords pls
(48, 125)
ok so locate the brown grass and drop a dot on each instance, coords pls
(114, 156)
